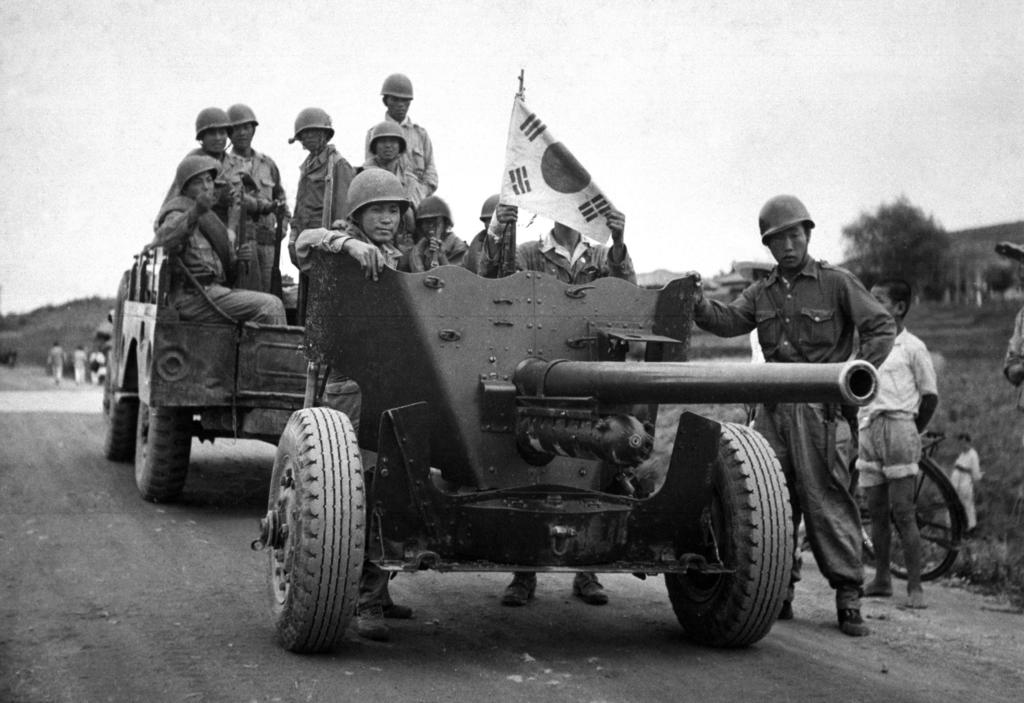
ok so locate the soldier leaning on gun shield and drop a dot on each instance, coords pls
(808, 311)
(376, 206)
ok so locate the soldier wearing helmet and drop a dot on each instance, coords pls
(324, 177)
(436, 243)
(376, 205)
(807, 311)
(387, 149)
(212, 124)
(418, 157)
(187, 227)
(265, 198)
(472, 258)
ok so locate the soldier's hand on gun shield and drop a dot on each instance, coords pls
(368, 256)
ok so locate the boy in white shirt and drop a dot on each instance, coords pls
(890, 444)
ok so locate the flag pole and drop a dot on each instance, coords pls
(507, 256)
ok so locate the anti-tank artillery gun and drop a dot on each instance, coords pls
(503, 416)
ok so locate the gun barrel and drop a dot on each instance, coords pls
(852, 382)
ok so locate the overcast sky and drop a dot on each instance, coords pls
(688, 115)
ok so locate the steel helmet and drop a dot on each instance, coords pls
(397, 85)
(781, 212)
(192, 166)
(375, 185)
(240, 114)
(387, 128)
(433, 206)
(211, 118)
(310, 118)
(488, 209)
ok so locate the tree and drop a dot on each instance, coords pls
(999, 277)
(900, 241)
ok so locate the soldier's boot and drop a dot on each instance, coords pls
(520, 591)
(588, 589)
(370, 623)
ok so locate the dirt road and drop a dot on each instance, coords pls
(108, 598)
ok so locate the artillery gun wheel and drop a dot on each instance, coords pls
(122, 416)
(752, 524)
(163, 443)
(317, 513)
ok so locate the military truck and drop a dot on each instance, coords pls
(170, 380)
(502, 424)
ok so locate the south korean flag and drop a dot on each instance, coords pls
(542, 176)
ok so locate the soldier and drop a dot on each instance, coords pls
(472, 258)
(418, 157)
(187, 227)
(562, 252)
(324, 177)
(387, 147)
(267, 200)
(436, 244)
(808, 311)
(212, 125)
(55, 360)
(376, 205)
(565, 254)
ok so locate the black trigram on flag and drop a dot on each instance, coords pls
(594, 207)
(532, 127)
(520, 180)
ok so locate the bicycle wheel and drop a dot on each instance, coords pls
(941, 521)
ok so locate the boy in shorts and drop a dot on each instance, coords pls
(890, 444)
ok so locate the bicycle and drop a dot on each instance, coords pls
(941, 519)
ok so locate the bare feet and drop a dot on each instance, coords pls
(915, 600)
(879, 589)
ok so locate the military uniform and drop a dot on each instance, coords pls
(229, 164)
(417, 159)
(266, 178)
(310, 196)
(586, 263)
(180, 232)
(812, 319)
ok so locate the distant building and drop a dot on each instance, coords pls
(973, 252)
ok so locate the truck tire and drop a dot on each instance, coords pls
(317, 503)
(753, 528)
(122, 417)
(163, 443)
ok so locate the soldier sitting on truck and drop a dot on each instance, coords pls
(188, 228)
(436, 243)
(376, 203)
(565, 254)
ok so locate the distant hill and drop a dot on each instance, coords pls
(32, 334)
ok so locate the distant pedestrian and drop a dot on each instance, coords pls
(967, 472)
(97, 364)
(80, 360)
(55, 361)
(889, 449)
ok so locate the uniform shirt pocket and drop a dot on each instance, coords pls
(769, 330)
(816, 328)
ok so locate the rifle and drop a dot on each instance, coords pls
(1014, 252)
(248, 275)
(275, 271)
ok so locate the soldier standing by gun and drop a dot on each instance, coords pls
(263, 197)
(472, 259)
(808, 311)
